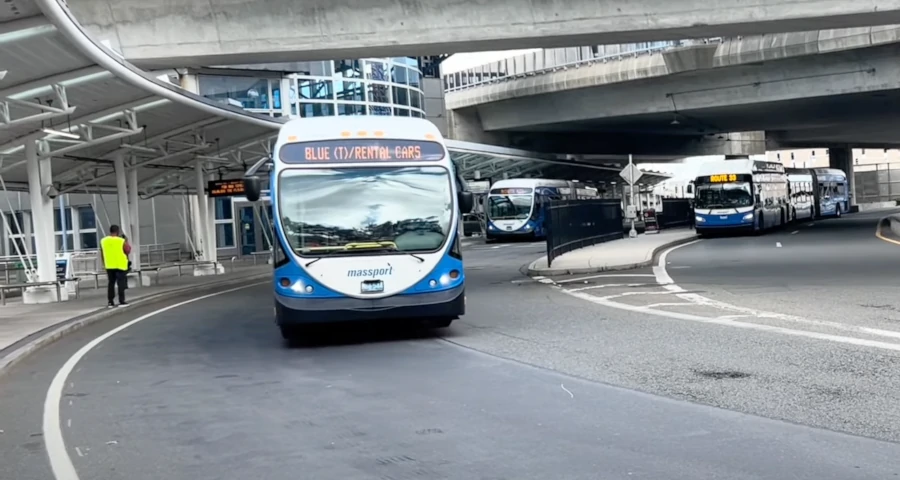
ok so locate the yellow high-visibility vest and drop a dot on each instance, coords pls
(114, 257)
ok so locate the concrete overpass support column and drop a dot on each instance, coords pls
(42, 227)
(122, 193)
(465, 125)
(842, 158)
(744, 144)
(211, 229)
(135, 230)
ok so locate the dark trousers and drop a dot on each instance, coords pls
(116, 277)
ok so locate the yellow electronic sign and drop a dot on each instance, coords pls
(225, 188)
(725, 177)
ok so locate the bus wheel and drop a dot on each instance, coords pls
(838, 210)
(289, 333)
(760, 224)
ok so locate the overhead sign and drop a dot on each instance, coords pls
(631, 174)
(225, 188)
(361, 150)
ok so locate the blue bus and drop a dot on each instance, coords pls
(367, 214)
(741, 194)
(516, 208)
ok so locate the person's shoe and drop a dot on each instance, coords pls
(123, 304)
(110, 305)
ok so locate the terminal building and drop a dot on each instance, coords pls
(386, 86)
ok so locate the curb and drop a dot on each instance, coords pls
(892, 234)
(532, 271)
(20, 350)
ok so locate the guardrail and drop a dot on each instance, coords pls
(554, 59)
(574, 224)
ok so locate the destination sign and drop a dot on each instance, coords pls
(510, 191)
(725, 178)
(362, 150)
(225, 188)
(729, 177)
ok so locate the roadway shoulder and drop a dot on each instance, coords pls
(647, 255)
(33, 342)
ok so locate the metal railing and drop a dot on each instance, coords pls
(676, 212)
(574, 224)
(162, 253)
(554, 59)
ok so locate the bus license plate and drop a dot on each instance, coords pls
(372, 286)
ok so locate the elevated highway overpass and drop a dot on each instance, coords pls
(820, 89)
(159, 33)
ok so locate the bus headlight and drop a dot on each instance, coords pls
(699, 219)
(748, 217)
(526, 227)
(300, 287)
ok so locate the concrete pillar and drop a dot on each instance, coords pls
(189, 83)
(42, 226)
(203, 224)
(134, 217)
(842, 158)
(465, 125)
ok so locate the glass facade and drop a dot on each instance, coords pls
(382, 86)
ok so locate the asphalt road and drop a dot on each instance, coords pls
(208, 390)
(832, 270)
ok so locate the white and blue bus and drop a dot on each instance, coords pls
(366, 213)
(516, 208)
(832, 192)
(741, 194)
(801, 188)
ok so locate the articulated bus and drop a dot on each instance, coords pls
(516, 207)
(741, 194)
(366, 213)
(826, 190)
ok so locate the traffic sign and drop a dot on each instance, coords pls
(630, 173)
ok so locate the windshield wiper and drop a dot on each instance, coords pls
(383, 248)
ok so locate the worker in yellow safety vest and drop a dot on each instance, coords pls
(114, 250)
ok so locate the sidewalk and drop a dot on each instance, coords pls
(623, 254)
(18, 321)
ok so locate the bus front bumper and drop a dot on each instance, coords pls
(302, 311)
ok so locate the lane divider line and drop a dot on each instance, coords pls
(60, 461)
(881, 236)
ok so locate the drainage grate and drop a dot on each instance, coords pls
(721, 374)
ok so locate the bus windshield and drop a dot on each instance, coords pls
(509, 207)
(723, 195)
(408, 209)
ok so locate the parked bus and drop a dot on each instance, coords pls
(366, 213)
(801, 188)
(741, 194)
(516, 208)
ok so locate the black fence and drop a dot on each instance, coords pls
(573, 224)
(676, 212)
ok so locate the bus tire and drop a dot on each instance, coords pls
(289, 333)
(837, 211)
(760, 224)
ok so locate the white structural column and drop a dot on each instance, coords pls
(122, 193)
(202, 225)
(134, 218)
(213, 252)
(42, 227)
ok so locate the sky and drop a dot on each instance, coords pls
(462, 61)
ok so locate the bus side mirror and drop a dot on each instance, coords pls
(252, 188)
(466, 202)
(690, 189)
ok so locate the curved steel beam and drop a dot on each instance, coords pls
(60, 16)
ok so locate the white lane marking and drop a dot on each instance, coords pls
(546, 281)
(60, 461)
(678, 304)
(538, 277)
(731, 323)
(777, 244)
(795, 232)
(593, 287)
(497, 246)
(608, 275)
(659, 271)
(78, 451)
(69, 423)
(567, 390)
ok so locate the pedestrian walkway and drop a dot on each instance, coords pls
(19, 321)
(624, 254)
